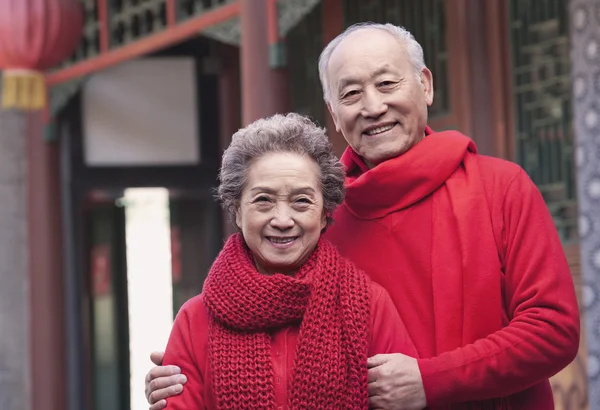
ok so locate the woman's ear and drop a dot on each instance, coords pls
(238, 219)
(323, 220)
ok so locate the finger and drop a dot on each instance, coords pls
(376, 402)
(165, 393)
(372, 375)
(157, 358)
(159, 405)
(164, 382)
(373, 389)
(378, 360)
(162, 371)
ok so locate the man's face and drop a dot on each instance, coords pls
(378, 101)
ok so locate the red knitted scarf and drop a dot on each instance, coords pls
(331, 299)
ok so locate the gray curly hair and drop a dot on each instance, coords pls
(280, 133)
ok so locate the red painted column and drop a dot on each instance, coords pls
(229, 107)
(333, 24)
(264, 90)
(48, 357)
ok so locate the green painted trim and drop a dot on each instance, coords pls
(50, 132)
(278, 55)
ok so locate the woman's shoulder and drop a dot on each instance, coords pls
(195, 311)
(381, 301)
(377, 291)
(190, 327)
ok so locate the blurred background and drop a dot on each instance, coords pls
(107, 169)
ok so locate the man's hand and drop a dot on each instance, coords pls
(162, 382)
(395, 383)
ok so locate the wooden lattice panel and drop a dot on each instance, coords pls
(191, 8)
(542, 102)
(130, 20)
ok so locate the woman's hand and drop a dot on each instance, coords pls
(162, 382)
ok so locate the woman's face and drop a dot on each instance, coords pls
(281, 212)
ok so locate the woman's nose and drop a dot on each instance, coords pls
(282, 218)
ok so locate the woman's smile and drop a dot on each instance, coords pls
(282, 242)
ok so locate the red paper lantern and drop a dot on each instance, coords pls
(35, 35)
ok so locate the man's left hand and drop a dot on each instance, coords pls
(395, 383)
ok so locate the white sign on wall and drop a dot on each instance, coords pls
(142, 113)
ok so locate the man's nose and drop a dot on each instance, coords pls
(374, 104)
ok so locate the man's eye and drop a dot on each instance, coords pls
(350, 93)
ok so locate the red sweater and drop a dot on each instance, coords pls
(188, 344)
(539, 314)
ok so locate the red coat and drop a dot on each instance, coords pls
(188, 347)
(539, 316)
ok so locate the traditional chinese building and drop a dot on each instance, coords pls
(151, 97)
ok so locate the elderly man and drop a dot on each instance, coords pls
(463, 243)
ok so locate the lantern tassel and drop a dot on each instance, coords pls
(23, 90)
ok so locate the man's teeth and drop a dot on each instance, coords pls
(281, 240)
(380, 129)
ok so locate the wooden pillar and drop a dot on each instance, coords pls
(48, 356)
(15, 382)
(229, 107)
(264, 90)
(333, 24)
(32, 359)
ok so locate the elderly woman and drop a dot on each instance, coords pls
(283, 320)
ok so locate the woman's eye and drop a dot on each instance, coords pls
(304, 201)
(262, 199)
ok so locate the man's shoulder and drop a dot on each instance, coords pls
(497, 173)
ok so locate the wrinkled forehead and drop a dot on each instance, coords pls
(367, 53)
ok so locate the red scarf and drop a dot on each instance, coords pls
(464, 254)
(331, 299)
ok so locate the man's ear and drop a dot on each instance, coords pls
(335, 121)
(427, 83)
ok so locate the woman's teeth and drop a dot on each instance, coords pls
(281, 240)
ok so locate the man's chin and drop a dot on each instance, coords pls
(380, 157)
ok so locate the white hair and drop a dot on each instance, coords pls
(413, 50)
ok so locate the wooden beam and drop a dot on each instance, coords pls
(155, 42)
(496, 37)
(103, 25)
(273, 22)
(332, 18)
(171, 13)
